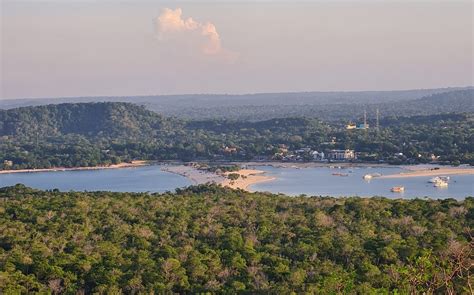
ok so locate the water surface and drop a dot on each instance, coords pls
(320, 181)
(292, 181)
(135, 179)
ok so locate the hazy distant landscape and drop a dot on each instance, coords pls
(324, 105)
(225, 147)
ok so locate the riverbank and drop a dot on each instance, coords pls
(246, 178)
(114, 166)
(196, 176)
(420, 170)
(301, 165)
(249, 175)
(429, 171)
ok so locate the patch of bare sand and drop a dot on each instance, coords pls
(431, 172)
(196, 176)
(114, 166)
(247, 177)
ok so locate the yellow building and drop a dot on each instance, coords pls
(351, 126)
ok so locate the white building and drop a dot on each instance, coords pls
(317, 156)
(341, 155)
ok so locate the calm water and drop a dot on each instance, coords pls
(139, 179)
(292, 181)
(320, 181)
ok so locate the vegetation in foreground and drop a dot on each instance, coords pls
(214, 239)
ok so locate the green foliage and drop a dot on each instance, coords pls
(233, 176)
(91, 134)
(218, 240)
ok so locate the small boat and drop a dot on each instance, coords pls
(368, 176)
(441, 184)
(371, 175)
(438, 179)
(340, 174)
(444, 178)
(397, 189)
(434, 179)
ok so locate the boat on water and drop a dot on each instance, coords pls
(434, 179)
(438, 179)
(441, 183)
(397, 189)
(444, 178)
(340, 174)
(371, 175)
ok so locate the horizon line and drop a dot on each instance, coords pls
(239, 94)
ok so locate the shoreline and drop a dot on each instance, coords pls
(137, 163)
(300, 165)
(252, 176)
(194, 175)
(247, 177)
(429, 172)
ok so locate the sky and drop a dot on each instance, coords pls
(123, 48)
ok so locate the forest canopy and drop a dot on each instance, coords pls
(213, 239)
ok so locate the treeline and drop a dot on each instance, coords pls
(91, 134)
(328, 106)
(218, 240)
(334, 107)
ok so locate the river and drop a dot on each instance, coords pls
(291, 181)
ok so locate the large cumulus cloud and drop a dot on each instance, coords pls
(181, 32)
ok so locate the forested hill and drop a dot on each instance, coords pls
(126, 119)
(108, 119)
(90, 134)
(208, 239)
(460, 101)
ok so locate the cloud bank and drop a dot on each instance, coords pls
(171, 27)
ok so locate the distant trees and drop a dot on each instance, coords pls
(91, 134)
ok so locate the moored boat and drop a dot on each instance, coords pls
(340, 174)
(371, 175)
(397, 189)
(368, 176)
(438, 179)
(444, 178)
(441, 183)
(434, 179)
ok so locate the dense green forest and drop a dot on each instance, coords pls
(214, 239)
(90, 134)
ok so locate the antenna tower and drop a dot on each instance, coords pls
(365, 119)
(377, 118)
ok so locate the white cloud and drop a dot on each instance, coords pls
(171, 27)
